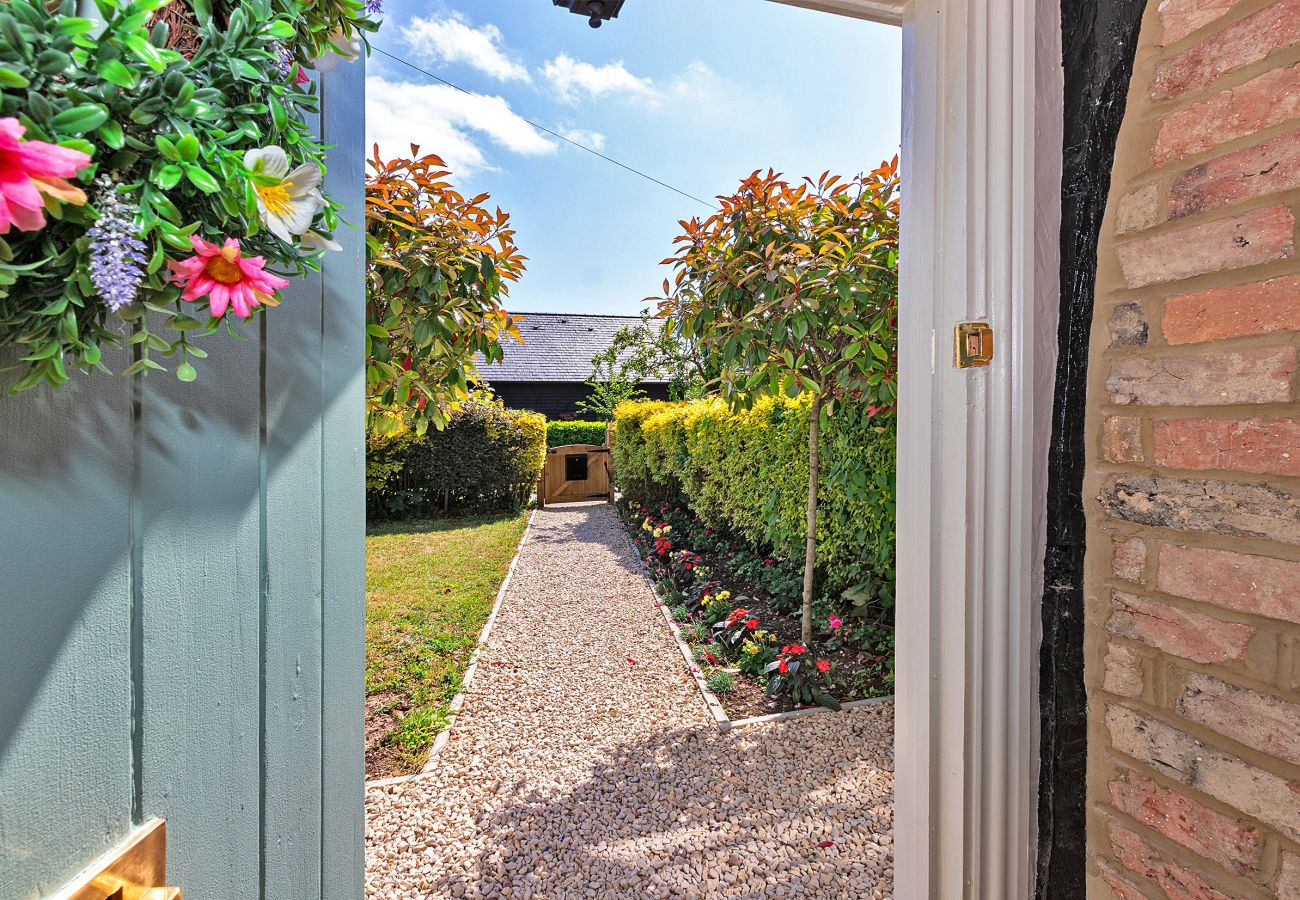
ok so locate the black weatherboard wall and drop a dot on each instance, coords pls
(1098, 40)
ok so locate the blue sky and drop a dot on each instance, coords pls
(697, 93)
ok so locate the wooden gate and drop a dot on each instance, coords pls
(576, 472)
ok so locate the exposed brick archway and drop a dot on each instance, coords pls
(1192, 640)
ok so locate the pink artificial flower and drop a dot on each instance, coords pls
(226, 278)
(30, 169)
(835, 622)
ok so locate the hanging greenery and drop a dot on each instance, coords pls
(158, 174)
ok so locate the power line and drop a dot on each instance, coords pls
(553, 134)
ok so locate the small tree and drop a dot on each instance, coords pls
(438, 268)
(638, 353)
(612, 382)
(793, 288)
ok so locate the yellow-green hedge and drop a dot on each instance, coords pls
(747, 472)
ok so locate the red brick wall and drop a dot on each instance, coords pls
(1193, 643)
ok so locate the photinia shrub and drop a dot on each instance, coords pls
(439, 266)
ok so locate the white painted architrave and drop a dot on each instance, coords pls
(981, 149)
(981, 160)
(888, 12)
(982, 109)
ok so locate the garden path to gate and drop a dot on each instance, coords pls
(585, 763)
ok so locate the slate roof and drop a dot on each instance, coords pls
(557, 347)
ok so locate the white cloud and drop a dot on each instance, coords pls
(447, 122)
(452, 39)
(592, 139)
(574, 80)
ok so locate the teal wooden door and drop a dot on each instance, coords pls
(182, 598)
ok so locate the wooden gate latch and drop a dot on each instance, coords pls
(137, 870)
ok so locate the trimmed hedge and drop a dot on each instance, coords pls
(559, 434)
(747, 473)
(487, 458)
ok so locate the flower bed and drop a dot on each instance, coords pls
(727, 598)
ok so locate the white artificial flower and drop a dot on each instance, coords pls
(313, 241)
(288, 206)
(342, 48)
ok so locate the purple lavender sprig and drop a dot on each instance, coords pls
(374, 7)
(283, 59)
(116, 253)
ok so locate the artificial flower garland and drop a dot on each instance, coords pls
(139, 184)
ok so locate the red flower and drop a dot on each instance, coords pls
(823, 666)
(689, 566)
(782, 666)
(794, 649)
(768, 562)
(752, 624)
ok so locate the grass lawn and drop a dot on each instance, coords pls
(429, 589)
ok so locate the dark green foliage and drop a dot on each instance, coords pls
(487, 458)
(559, 434)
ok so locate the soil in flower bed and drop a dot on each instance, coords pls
(855, 674)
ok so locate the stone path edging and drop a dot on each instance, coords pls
(711, 700)
(459, 700)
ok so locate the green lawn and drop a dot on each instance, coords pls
(429, 589)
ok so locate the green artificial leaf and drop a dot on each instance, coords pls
(185, 372)
(52, 62)
(112, 135)
(114, 72)
(11, 79)
(74, 25)
(200, 178)
(188, 148)
(80, 119)
(168, 176)
(146, 52)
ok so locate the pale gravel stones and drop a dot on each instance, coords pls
(573, 772)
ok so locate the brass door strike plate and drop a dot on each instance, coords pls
(972, 345)
(137, 870)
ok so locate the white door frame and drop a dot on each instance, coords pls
(981, 163)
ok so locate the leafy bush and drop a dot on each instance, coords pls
(631, 465)
(486, 458)
(559, 434)
(747, 473)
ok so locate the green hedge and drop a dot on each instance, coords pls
(487, 458)
(559, 434)
(747, 472)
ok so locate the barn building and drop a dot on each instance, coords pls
(549, 372)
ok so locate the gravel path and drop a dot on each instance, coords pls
(574, 772)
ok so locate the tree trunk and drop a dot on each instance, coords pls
(814, 475)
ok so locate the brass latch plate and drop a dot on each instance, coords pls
(137, 870)
(972, 345)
